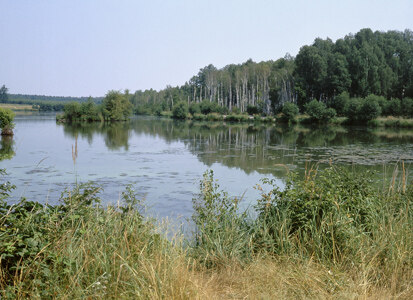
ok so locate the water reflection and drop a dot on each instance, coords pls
(116, 135)
(262, 148)
(6, 147)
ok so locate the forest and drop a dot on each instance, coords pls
(358, 65)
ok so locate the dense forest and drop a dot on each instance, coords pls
(379, 63)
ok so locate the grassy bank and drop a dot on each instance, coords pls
(18, 107)
(394, 122)
(331, 234)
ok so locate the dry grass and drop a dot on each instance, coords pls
(17, 107)
(281, 278)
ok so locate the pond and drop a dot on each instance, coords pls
(164, 159)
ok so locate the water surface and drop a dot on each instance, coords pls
(164, 159)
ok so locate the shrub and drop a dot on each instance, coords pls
(235, 110)
(89, 111)
(339, 103)
(116, 106)
(180, 110)
(194, 108)
(72, 111)
(369, 110)
(407, 107)
(207, 107)
(394, 107)
(381, 101)
(327, 211)
(252, 110)
(319, 112)
(290, 111)
(352, 109)
(6, 121)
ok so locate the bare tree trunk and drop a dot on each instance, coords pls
(230, 95)
(194, 98)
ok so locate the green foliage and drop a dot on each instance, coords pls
(3, 94)
(199, 117)
(352, 109)
(339, 220)
(220, 231)
(290, 111)
(383, 102)
(407, 107)
(89, 111)
(72, 111)
(394, 108)
(369, 110)
(180, 111)
(6, 147)
(6, 118)
(207, 107)
(27, 228)
(86, 111)
(116, 106)
(326, 214)
(6, 121)
(41, 243)
(363, 110)
(194, 108)
(253, 110)
(340, 102)
(319, 112)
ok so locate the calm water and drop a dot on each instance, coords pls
(165, 159)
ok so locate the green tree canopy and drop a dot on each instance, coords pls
(3, 94)
(116, 106)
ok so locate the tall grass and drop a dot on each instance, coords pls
(331, 234)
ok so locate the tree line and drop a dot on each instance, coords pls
(361, 64)
(41, 102)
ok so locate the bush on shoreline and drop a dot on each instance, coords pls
(115, 107)
(6, 121)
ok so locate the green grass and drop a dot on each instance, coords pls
(332, 234)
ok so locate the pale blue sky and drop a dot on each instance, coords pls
(87, 47)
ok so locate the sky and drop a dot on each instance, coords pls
(88, 47)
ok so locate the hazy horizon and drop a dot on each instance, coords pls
(80, 48)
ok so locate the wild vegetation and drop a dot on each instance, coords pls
(115, 107)
(331, 234)
(6, 121)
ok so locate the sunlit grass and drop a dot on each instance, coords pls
(18, 107)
